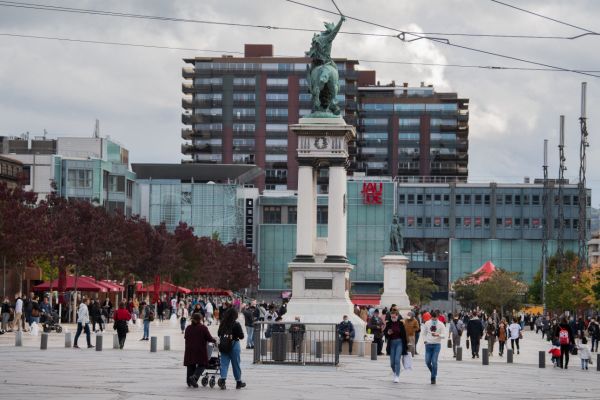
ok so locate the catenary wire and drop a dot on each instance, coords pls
(45, 7)
(151, 46)
(447, 42)
(545, 17)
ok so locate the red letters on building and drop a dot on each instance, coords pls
(372, 192)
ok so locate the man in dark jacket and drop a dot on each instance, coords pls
(376, 326)
(297, 331)
(566, 338)
(475, 333)
(346, 334)
(249, 319)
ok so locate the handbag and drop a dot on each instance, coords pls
(407, 361)
(225, 343)
(467, 344)
(449, 343)
(520, 335)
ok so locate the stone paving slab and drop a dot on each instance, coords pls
(135, 373)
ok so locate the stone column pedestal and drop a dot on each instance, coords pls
(394, 282)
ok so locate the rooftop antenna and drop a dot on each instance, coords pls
(582, 223)
(97, 129)
(45, 133)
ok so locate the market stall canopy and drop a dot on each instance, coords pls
(165, 287)
(484, 272)
(84, 284)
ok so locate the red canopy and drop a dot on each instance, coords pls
(165, 287)
(484, 272)
(213, 291)
(84, 284)
(366, 299)
(112, 286)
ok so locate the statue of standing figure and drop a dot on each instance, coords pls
(396, 239)
(323, 77)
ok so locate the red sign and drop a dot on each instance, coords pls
(372, 192)
(467, 221)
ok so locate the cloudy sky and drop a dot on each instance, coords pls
(136, 92)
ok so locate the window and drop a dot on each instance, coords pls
(427, 199)
(517, 222)
(277, 97)
(499, 199)
(427, 222)
(458, 199)
(498, 221)
(272, 215)
(446, 222)
(411, 199)
(446, 199)
(322, 216)
(477, 199)
(575, 224)
(517, 200)
(458, 221)
(80, 178)
(535, 200)
(419, 222)
(567, 201)
(486, 222)
(508, 199)
(525, 222)
(525, 199)
(437, 222)
(437, 198)
(477, 222)
(508, 222)
(410, 221)
(419, 199)
(292, 215)
(401, 198)
(116, 184)
(486, 199)
(467, 199)
(467, 222)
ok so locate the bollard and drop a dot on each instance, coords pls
(597, 362)
(98, 342)
(44, 342)
(19, 339)
(167, 343)
(319, 349)
(374, 351)
(542, 359)
(263, 347)
(67, 339)
(458, 353)
(116, 344)
(509, 356)
(361, 349)
(485, 360)
(153, 344)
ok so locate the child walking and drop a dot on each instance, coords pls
(584, 353)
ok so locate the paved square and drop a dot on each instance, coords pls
(134, 373)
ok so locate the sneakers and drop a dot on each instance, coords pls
(240, 385)
(221, 384)
(433, 381)
(396, 379)
(75, 346)
(90, 346)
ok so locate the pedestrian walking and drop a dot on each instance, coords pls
(474, 333)
(230, 333)
(412, 326)
(515, 331)
(6, 309)
(182, 314)
(96, 316)
(584, 353)
(456, 329)
(566, 339)
(121, 317)
(594, 333)
(434, 332)
(395, 334)
(146, 316)
(18, 318)
(83, 323)
(195, 357)
(250, 316)
(491, 330)
(502, 334)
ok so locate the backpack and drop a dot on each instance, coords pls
(151, 316)
(563, 336)
(225, 342)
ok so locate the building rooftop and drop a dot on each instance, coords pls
(220, 173)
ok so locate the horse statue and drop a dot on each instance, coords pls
(323, 75)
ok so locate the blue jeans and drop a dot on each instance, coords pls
(432, 352)
(83, 327)
(232, 357)
(146, 329)
(250, 336)
(396, 347)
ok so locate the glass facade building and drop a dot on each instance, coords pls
(449, 230)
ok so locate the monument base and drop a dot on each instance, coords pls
(394, 283)
(320, 295)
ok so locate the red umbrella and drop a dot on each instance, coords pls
(84, 284)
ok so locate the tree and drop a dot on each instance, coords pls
(465, 292)
(419, 289)
(501, 291)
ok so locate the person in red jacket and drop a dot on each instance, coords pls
(195, 357)
(121, 317)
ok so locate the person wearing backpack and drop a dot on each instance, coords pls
(594, 332)
(566, 339)
(230, 333)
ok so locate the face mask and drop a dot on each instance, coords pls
(394, 319)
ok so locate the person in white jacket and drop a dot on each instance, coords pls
(584, 353)
(83, 323)
(433, 331)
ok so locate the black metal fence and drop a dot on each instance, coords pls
(296, 343)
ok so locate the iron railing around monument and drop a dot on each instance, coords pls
(296, 343)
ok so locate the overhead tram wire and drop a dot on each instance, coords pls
(401, 36)
(589, 32)
(46, 7)
(151, 46)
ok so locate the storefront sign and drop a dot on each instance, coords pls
(372, 192)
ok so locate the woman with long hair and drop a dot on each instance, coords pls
(195, 357)
(120, 325)
(230, 333)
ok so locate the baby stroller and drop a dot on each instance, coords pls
(51, 323)
(212, 372)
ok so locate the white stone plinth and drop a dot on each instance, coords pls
(322, 305)
(394, 282)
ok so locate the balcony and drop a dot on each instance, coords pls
(188, 72)
(187, 134)
(187, 87)
(187, 103)
(194, 148)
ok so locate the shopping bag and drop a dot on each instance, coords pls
(449, 343)
(407, 362)
(35, 329)
(467, 344)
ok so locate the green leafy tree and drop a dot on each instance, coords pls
(465, 291)
(419, 289)
(501, 291)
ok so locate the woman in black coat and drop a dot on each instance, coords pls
(195, 357)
